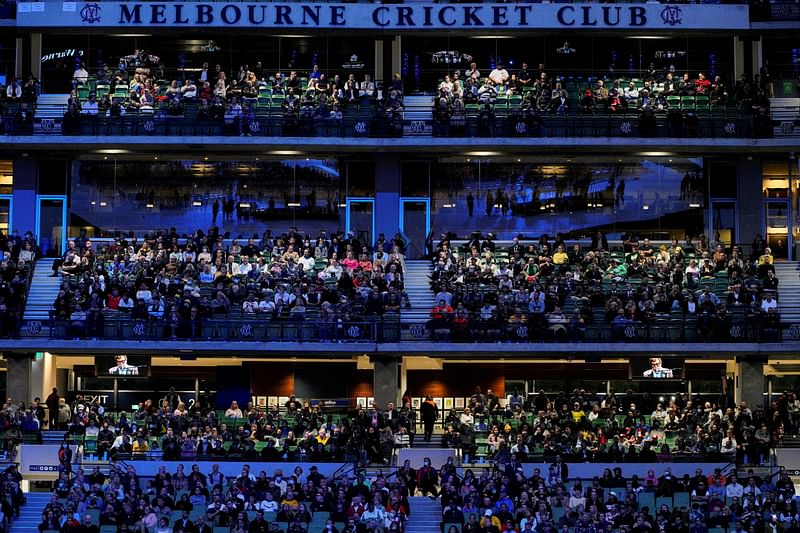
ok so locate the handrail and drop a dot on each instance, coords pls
(726, 124)
(737, 326)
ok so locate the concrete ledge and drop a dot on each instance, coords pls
(423, 348)
(516, 145)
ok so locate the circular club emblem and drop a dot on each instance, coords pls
(34, 327)
(736, 332)
(254, 126)
(625, 128)
(522, 332)
(417, 331)
(246, 330)
(91, 13)
(630, 332)
(730, 128)
(794, 331)
(787, 127)
(521, 127)
(138, 329)
(149, 126)
(417, 126)
(360, 127)
(671, 15)
(48, 124)
(354, 332)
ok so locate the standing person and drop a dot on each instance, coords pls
(470, 203)
(52, 409)
(427, 478)
(430, 413)
(65, 458)
(214, 212)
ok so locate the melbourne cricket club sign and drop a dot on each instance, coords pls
(471, 17)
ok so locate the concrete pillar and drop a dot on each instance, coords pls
(43, 375)
(387, 195)
(749, 200)
(379, 66)
(36, 56)
(18, 377)
(26, 181)
(19, 58)
(749, 383)
(397, 54)
(385, 375)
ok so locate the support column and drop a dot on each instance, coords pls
(26, 180)
(19, 59)
(387, 195)
(35, 56)
(18, 377)
(379, 66)
(749, 200)
(750, 381)
(43, 375)
(385, 374)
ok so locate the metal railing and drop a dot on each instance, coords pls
(732, 327)
(727, 124)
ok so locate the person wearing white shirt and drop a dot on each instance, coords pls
(14, 90)
(768, 303)
(367, 87)
(81, 76)
(90, 107)
(499, 75)
(307, 262)
(269, 505)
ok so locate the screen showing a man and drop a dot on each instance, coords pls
(657, 370)
(122, 368)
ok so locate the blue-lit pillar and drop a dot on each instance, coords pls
(387, 195)
(26, 182)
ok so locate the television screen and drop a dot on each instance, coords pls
(122, 366)
(656, 368)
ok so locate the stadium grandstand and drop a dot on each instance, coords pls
(399, 267)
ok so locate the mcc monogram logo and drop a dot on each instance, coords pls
(91, 13)
(671, 15)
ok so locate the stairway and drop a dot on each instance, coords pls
(30, 514)
(418, 287)
(417, 115)
(426, 515)
(50, 110)
(42, 292)
(788, 272)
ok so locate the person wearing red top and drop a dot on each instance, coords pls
(441, 311)
(113, 300)
(702, 85)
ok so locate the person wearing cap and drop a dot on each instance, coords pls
(490, 523)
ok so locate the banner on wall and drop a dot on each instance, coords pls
(461, 17)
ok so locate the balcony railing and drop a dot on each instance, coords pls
(724, 124)
(735, 326)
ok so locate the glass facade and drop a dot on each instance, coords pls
(659, 198)
(237, 195)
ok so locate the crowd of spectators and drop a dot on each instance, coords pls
(150, 88)
(192, 501)
(169, 429)
(615, 428)
(549, 289)
(531, 93)
(18, 253)
(178, 283)
(505, 499)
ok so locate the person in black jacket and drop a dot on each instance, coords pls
(430, 413)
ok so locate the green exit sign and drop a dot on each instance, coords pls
(39, 356)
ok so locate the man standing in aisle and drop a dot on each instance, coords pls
(430, 413)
